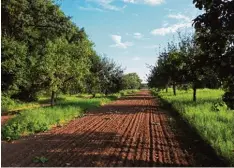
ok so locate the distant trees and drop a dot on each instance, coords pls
(205, 59)
(42, 50)
(105, 76)
(179, 65)
(131, 81)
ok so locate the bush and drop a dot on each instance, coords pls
(219, 106)
(9, 104)
(6, 102)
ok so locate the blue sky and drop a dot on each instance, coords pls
(131, 31)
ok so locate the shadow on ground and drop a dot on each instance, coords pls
(86, 148)
(92, 149)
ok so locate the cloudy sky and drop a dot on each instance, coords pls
(131, 31)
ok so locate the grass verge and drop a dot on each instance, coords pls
(42, 119)
(209, 116)
(8, 105)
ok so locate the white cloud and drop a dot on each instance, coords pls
(184, 22)
(138, 35)
(107, 4)
(136, 59)
(130, 1)
(180, 17)
(171, 29)
(118, 42)
(90, 9)
(147, 2)
(153, 2)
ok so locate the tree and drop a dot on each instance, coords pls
(104, 76)
(13, 64)
(169, 67)
(131, 81)
(93, 81)
(65, 62)
(215, 29)
(42, 50)
(110, 76)
(48, 50)
(30, 24)
(181, 65)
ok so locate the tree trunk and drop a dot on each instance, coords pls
(52, 98)
(94, 95)
(194, 93)
(174, 88)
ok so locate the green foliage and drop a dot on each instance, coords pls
(26, 28)
(41, 159)
(42, 50)
(215, 34)
(215, 127)
(13, 64)
(128, 91)
(180, 65)
(219, 106)
(131, 81)
(8, 104)
(110, 76)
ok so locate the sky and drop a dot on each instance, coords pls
(131, 32)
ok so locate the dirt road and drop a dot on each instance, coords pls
(131, 131)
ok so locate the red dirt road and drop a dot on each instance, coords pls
(131, 131)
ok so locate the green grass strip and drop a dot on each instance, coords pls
(42, 119)
(209, 116)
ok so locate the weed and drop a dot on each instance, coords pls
(41, 159)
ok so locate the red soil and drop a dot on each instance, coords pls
(5, 118)
(131, 131)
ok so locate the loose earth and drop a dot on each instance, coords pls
(132, 131)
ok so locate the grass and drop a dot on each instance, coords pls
(35, 120)
(8, 105)
(209, 116)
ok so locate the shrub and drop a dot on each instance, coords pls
(6, 102)
(219, 106)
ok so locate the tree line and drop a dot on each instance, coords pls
(43, 50)
(202, 59)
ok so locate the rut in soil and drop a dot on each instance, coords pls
(132, 131)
